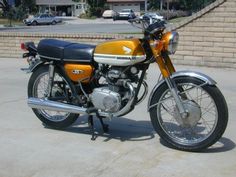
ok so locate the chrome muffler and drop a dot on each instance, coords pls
(39, 103)
(55, 106)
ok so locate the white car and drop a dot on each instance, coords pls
(109, 14)
(153, 15)
(42, 19)
(125, 14)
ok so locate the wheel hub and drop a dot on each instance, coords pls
(56, 91)
(194, 114)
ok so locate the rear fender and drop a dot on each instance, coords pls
(36, 65)
(208, 80)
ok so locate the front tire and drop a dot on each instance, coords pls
(34, 23)
(207, 120)
(37, 88)
(54, 23)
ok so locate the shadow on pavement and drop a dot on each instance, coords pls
(125, 129)
(223, 145)
(121, 128)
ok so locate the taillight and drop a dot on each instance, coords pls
(23, 46)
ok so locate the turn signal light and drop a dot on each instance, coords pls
(22, 46)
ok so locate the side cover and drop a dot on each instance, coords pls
(123, 52)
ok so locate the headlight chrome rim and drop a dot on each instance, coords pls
(173, 42)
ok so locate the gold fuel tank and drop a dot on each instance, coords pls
(78, 72)
(122, 52)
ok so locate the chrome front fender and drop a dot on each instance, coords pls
(208, 80)
(195, 74)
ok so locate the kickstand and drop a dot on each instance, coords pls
(105, 127)
(91, 125)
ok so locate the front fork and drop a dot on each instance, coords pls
(51, 78)
(167, 69)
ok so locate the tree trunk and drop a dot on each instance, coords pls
(161, 4)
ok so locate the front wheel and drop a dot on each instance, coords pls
(207, 114)
(54, 23)
(38, 88)
(34, 23)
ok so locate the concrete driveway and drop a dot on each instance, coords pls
(130, 149)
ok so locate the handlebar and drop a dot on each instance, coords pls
(147, 22)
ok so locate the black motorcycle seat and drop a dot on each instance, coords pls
(52, 49)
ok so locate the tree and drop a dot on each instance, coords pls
(96, 7)
(4, 5)
(194, 5)
(154, 4)
(28, 5)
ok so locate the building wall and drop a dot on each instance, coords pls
(208, 38)
(10, 42)
(71, 8)
(54, 2)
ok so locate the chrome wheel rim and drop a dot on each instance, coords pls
(40, 89)
(197, 133)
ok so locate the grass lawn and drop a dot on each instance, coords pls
(4, 21)
(177, 20)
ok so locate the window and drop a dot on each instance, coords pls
(79, 6)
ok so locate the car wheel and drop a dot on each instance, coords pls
(34, 23)
(54, 22)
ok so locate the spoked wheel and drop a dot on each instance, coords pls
(207, 115)
(61, 92)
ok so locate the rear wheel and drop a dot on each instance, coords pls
(34, 23)
(54, 22)
(38, 88)
(207, 115)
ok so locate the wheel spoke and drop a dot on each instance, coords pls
(193, 133)
(40, 91)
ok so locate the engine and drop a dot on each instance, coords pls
(106, 100)
(115, 94)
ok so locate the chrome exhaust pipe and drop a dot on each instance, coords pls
(55, 106)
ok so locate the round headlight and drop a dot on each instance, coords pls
(171, 41)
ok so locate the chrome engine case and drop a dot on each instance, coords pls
(106, 100)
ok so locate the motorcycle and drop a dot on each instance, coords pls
(107, 80)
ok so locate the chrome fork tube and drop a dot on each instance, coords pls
(173, 90)
(51, 78)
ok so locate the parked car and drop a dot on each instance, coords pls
(125, 14)
(153, 15)
(109, 14)
(42, 19)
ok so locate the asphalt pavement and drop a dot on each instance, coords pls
(130, 149)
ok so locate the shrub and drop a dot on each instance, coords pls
(19, 13)
(86, 16)
(1, 13)
(174, 14)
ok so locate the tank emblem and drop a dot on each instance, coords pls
(126, 50)
(77, 71)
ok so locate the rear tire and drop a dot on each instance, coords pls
(34, 23)
(52, 119)
(54, 23)
(179, 140)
